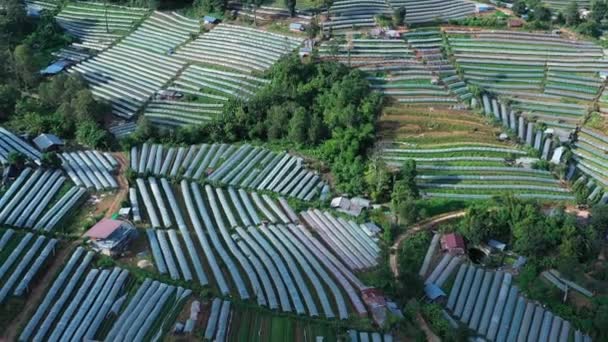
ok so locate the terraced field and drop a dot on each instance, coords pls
(393, 69)
(97, 25)
(458, 155)
(242, 166)
(490, 304)
(270, 256)
(549, 78)
(351, 15)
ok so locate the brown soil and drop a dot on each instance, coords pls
(111, 203)
(36, 293)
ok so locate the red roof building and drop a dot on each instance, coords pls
(453, 243)
(110, 237)
(376, 302)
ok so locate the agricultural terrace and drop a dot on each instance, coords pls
(545, 75)
(48, 5)
(85, 302)
(560, 5)
(351, 15)
(490, 303)
(23, 260)
(392, 67)
(242, 166)
(458, 155)
(87, 22)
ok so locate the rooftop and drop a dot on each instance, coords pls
(104, 229)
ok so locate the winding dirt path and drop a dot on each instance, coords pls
(34, 296)
(427, 224)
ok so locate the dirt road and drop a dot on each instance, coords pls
(111, 204)
(427, 224)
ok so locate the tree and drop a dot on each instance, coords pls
(571, 14)
(16, 159)
(298, 126)
(403, 204)
(291, 6)
(519, 7)
(599, 10)
(399, 16)
(542, 13)
(88, 133)
(50, 160)
(590, 28)
(9, 96)
(408, 174)
(378, 179)
(25, 66)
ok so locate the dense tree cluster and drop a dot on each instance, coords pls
(322, 106)
(64, 106)
(522, 224)
(541, 17)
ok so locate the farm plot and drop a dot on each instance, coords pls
(207, 90)
(552, 113)
(128, 74)
(276, 263)
(97, 25)
(48, 5)
(219, 321)
(392, 69)
(592, 163)
(361, 336)
(22, 258)
(11, 143)
(428, 46)
(426, 11)
(38, 199)
(85, 303)
(347, 239)
(239, 49)
(560, 5)
(253, 325)
(350, 15)
(458, 156)
(488, 303)
(90, 169)
(544, 67)
(242, 166)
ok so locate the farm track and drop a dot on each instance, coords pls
(35, 295)
(110, 207)
(427, 224)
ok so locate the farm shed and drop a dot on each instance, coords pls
(516, 23)
(297, 27)
(375, 301)
(111, 237)
(56, 67)
(481, 8)
(210, 20)
(453, 243)
(434, 293)
(48, 142)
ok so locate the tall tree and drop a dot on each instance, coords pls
(291, 6)
(571, 14)
(378, 179)
(399, 16)
(599, 10)
(25, 65)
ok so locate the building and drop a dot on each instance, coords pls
(56, 67)
(297, 27)
(482, 8)
(434, 293)
(353, 206)
(453, 243)
(48, 142)
(111, 237)
(376, 303)
(210, 20)
(516, 23)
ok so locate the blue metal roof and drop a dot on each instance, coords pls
(433, 291)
